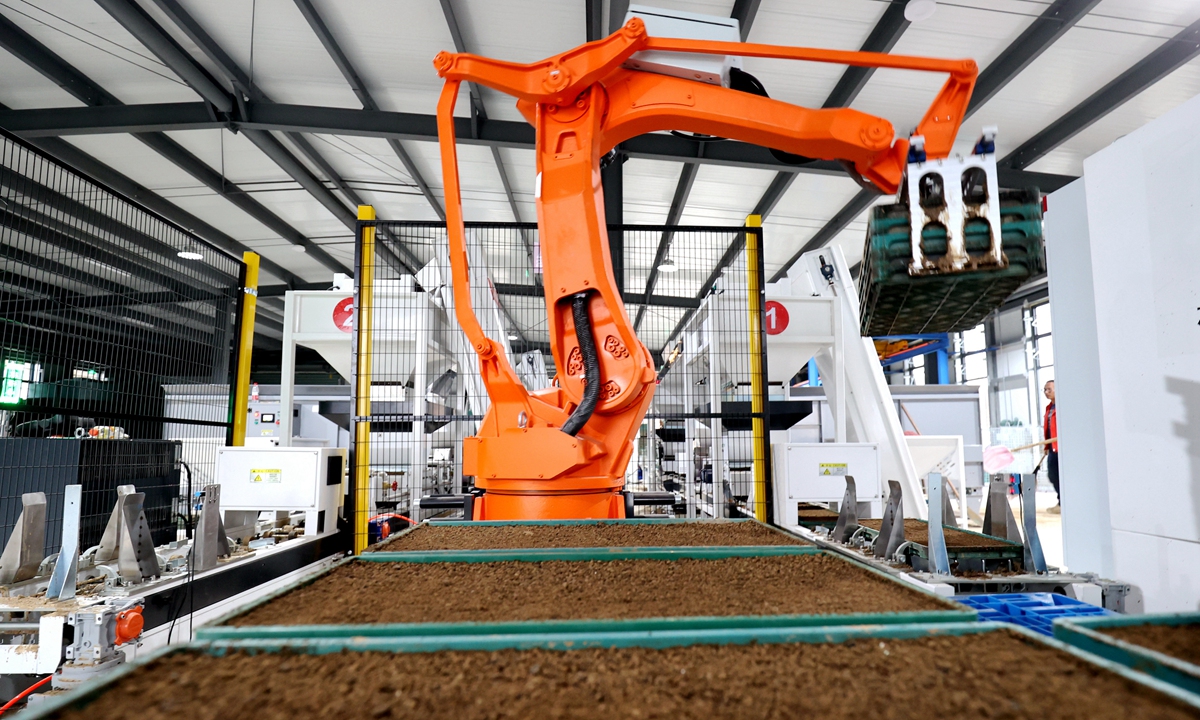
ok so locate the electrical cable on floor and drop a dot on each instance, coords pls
(25, 693)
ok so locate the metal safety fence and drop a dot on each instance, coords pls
(118, 337)
(693, 293)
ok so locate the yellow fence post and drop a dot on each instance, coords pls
(364, 307)
(241, 390)
(758, 385)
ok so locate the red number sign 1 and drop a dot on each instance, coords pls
(777, 317)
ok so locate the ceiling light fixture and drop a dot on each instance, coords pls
(918, 10)
(668, 266)
(190, 255)
(513, 336)
(299, 249)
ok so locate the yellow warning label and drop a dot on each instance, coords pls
(831, 469)
(260, 475)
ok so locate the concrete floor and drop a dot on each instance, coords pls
(1049, 525)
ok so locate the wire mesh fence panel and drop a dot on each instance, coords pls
(425, 387)
(110, 314)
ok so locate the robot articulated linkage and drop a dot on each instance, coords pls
(561, 452)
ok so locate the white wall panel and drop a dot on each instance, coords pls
(1144, 247)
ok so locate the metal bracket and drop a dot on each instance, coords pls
(66, 570)
(26, 547)
(210, 541)
(847, 521)
(110, 541)
(891, 532)
(998, 519)
(1033, 544)
(135, 557)
(939, 560)
(948, 517)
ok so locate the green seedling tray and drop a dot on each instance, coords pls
(378, 547)
(220, 629)
(96, 690)
(1084, 633)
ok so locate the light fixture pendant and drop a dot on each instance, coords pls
(918, 10)
(190, 255)
(668, 266)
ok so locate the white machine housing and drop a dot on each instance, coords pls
(711, 69)
(291, 479)
(822, 323)
(816, 472)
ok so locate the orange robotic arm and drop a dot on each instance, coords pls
(561, 452)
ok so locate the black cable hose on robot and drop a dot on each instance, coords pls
(591, 366)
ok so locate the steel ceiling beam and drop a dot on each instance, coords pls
(616, 14)
(40, 58)
(882, 38)
(53, 122)
(364, 96)
(684, 188)
(1048, 27)
(158, 41)
(1169, 56)
(137, 193)
(479, 114)
(744, 11)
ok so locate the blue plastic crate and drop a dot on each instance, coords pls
(1035, 611)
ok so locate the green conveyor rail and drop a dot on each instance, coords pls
(223, 629)
(566, 642)
(1086, 634)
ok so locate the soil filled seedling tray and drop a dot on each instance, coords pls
(811, 515)
(473, 535)
(1166, 646)
(905, 671)
(585, 590)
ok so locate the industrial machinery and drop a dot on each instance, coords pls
(561, 452)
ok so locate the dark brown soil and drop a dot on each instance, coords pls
(918, 531)
(997, 675)
(1178, 641)
(463, 537)
(367, 592)
(808, 511)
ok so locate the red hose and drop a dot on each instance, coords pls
(25, 693)
(392, 515)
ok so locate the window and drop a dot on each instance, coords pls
(15, 384)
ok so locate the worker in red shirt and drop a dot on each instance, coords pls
(1050, 427)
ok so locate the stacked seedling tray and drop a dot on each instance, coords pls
(1166, 646)
(903, 671)
(893, 302)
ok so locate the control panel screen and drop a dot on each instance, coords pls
(268, 417)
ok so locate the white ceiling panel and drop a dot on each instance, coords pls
(392, 47)
(802, 211)
(231, 155)
(649, 187)
(24, 87)
(1082, 61)
(724, 195)
(955, 31)
(88, 38)
(842, 25)
(298, 263)
(1166, 94)
(289, 63)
